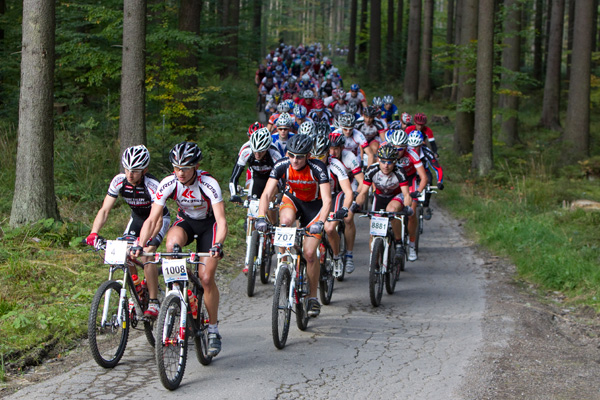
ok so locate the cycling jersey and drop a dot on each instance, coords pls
(350, 163)
(427, 132)
(259, 169)
(280, 144)
(432, 163)
(337, 173)
(337, 108)
(371, 131)
(390, 115)
(385, 185)
(326, 116)
(354, 142)
(140, 197)
(194, 201)
(410, 161)
(302, 184)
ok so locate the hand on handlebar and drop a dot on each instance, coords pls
(316, 228)
(235, 199)
(91, 239)
(415, 194)
(217, 250)
(440, 186)
(341, 213)
(261, 224)
(409, 211)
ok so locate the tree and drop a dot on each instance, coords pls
(256, 30)
(34, 197)
(449, 42)
(425, 64)
(577, 130)
(352, 40)
(483, 160)
(464, 126)
(511, 62)
(411, 76)
(570, 27)
(132, 121)
(398, 41)
(374, 69)
(537, 42)
(231, 21)
(362, 41)
(390, 38)
(457, 35)
(551, 104)
(190, 12)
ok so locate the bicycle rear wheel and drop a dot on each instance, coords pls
(281, 310)
(375, 276)
(419, 227)
(301, 305)
(108, 339)
(326, 278)
(266, 261)
(393, 272)
(201, 335)
(342, 253)
(171, 353)
(253, 252)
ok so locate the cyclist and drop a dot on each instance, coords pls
(202, 213)
(391, 189)
(339, 104)
(307, 196)
(421, 125)
(356, 96)
(319, 113)
(307, 100)
(260, 74)
(300, 114)
(390, 111)
(341, 194)
(405, 121)
(284, 124)
(356, 176)
(354, 140)
(138, 189)
(283, 107)
(371, 127)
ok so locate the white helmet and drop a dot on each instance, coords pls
(136, 157)
(415, 139)
(260, 140)
(308, 94)
(308, 128)
(284, 120)
(397, 137)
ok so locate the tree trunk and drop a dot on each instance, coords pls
(464, 126)
(537, 41)
(457, 36)
(2, 11)
(132, 118)
(256, 30)
(374, 69)
(551, 104)
(34, 198)
(482, 142)
(570, 36)
(547, 29)
(389, 57)
(231, 47)
(362, 35)
(399, 41)
(577, 131)
(190, 12)
(511, 58)
(425, 63)
(411, 76)
(352, 40)
(449, 41)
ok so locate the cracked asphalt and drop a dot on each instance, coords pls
(418, 344)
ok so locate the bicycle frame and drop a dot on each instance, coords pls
(295, 254)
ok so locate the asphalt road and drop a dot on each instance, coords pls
(416, 345)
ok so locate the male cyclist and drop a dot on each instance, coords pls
(138, 189)
(354, 140)
(390, 111)
(371, 127)
(202, 214)
(307, 196)
(421, 125)
(284, 124)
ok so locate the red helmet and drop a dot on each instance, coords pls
(420, 119)
(286, 96)
(318, 105)
(254, 127)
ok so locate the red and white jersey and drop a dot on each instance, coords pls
(195, 200)
(411, 160)
(426, 131)
(350, 163)
(354, 142)
(371, 131)
(337, 173)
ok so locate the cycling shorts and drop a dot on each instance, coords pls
(381, 202)
(134, 227)
(204, 229)
(306, 211)
(338, 201)
(257, 184)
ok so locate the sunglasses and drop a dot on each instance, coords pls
(387, 162)
(182, 169)
(401, 148)
(283, 129)
(296, 156)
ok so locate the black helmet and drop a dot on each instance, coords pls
(300, 144)
(320, 146)
(387, 152)
(185, 154)
(323, 128)
(371, 111)
(337, 139)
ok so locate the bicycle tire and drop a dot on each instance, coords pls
(342, 254)
(301, 311)
(281, 310)
(253, 252)
(201, 335)
(170, 358)
(266, 261)
(107, 342)
(393, 273)
(326, 279)
(375, 276)
(419, 227)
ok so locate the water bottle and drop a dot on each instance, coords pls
(193, 303)
(137, 283)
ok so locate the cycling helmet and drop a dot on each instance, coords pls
(377, 102)
(283, 107)
(291, 79)
(388, 99)
(406, 118)
(284, 120)
(346, 120)
(320, 146)
(136, 157)
(254, 127)
(299, 111)
(354, 87)
(268, 75)
(420, 119)
(261, 140)
(286, 96)
(307, 128)
(185, 154)
(291, 104)
(305, 78)
(318, 105)
(337, 139)
(323, 128)
(371, 111)
(308, 94)
(341, 93)
(387, 152)
(415, 139)
(352, 108)
(300, 144)
(279, 68)
(395, 125)
(396, 137)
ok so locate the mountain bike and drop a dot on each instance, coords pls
(384, 266)
(325, 254)
(110, 315)
(419, 214)
(291, 285)
(183, 313)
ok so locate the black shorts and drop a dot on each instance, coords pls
(205, 229)
(381, 202)
(134, 227)
(258, 184)
(338, 201)
(306, 211)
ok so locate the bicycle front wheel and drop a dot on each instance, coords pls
(375, 275)
(201, 336)
(393, 272)
(326, 279)
(171, 352)
(267, 258)
(107, 331)
(253, 252)
(342, 254)
(281, 310)
(419, 227)
(301, 305)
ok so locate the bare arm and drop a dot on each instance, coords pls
(406, 194)
(267, 195)
(362, 195)
(219, 212)
(370, 154)
(152, 224)
(348, 194)
(102, 215)
(325, 189)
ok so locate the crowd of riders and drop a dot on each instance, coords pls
(323, 150)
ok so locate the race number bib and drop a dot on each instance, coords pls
(116, 252)
(379, 226)
(253, 208)
(174, 270)
(284, 237)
